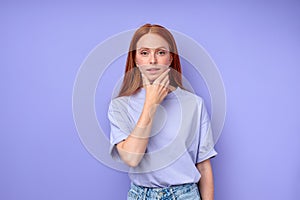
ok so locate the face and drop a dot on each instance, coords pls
(152, 55)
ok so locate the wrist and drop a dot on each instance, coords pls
(147, 114)
(150, 107)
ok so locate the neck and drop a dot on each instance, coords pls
(171, 88)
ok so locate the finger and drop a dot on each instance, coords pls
(167, 85)
(162, 76)
(164, 81)
(165, 90)
(164, 87)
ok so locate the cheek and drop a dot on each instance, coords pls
(160, 60)
(142, 68)
(164, 61)
(140, 60)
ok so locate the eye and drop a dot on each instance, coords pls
(161, 52)
(144, 53)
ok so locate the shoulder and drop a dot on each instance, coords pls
(119, 102)
(189, 96)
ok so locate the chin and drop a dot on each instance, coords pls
(152, 78)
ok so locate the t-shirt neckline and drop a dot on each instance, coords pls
(142, 92)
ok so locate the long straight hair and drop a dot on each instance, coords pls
(132, 81)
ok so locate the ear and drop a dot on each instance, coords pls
(171, 58)
(135, 63)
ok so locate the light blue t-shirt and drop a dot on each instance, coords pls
(181, 137)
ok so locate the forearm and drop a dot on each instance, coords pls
(133, 148)
(206, 183)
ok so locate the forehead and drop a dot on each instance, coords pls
(151, 40)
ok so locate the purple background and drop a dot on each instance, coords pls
(255, 44)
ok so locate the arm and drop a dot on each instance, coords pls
(206, 183)
(132, 149)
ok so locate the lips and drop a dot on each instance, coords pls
(152, 69)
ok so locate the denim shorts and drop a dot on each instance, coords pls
(179, 192)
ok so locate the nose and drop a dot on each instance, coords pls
(153, 59)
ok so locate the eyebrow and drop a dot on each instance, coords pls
(162, 47)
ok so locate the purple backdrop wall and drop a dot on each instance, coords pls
(255, 45)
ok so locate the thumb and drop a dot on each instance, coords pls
(146, 81)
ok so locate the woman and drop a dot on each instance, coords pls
(154, 112)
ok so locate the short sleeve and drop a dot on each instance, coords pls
(206, 148)
(119, 126)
